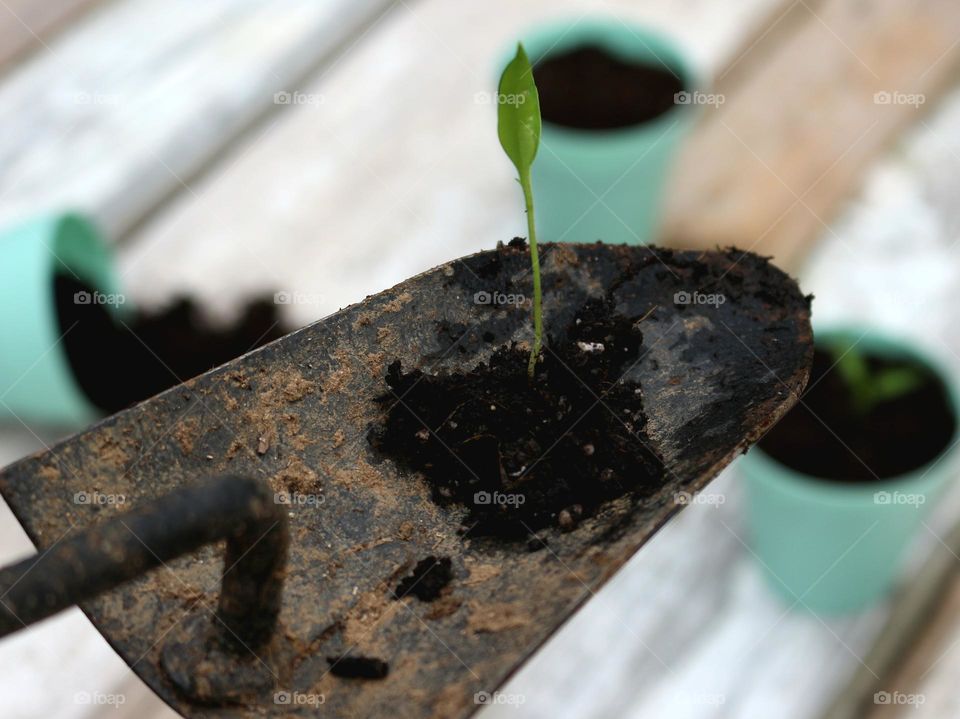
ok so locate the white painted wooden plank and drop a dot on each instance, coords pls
(398, 169)
(793, 139)
(26, 25)
(140, 94)
(925, 684)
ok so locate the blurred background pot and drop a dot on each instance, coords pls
(36, 380)
(833, 546)
(608, 184)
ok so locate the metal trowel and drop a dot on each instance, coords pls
(271, 453)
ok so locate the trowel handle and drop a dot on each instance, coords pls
(79, 567)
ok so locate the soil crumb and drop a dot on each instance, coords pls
(358, 667)
(429, 578)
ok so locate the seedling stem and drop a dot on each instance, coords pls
(535, 262)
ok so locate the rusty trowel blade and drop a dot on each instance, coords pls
(726, 348)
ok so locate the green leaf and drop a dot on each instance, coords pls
(868, 388)
(518, 112)
(852, 366)
(894, 383)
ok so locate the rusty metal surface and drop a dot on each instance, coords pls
(297, 412)
(91, 561)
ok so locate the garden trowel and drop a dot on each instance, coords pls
(328, 589)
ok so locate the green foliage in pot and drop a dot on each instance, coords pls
(871, 387)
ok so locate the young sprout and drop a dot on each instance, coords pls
(869, 388)
(518, 126)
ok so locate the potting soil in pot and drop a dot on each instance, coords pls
(119, 363)
(824, 437)
(589, 89)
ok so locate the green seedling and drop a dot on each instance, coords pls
(868, 387)
(518, 126)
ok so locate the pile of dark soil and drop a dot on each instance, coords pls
(824, 437)
(523, 455)
(589, 89)
(118, 364)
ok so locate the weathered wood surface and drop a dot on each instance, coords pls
(28, 25)
(907, 654)
(926, 683)
(397, 170)
(829, 87)
(137, 98)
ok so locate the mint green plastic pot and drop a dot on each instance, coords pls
(608, 184)
(836, 547)
(36, 382)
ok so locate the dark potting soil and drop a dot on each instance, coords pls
(589, 89)
(119, 364)
(357, 667)
(520, 455)
(824, 437)
(427, 581)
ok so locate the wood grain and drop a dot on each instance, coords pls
(399, 169)
(132, 101)
(927, 677)
(26, 25)
(767, 169)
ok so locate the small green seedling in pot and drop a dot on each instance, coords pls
(869, 387)
(518, 126)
